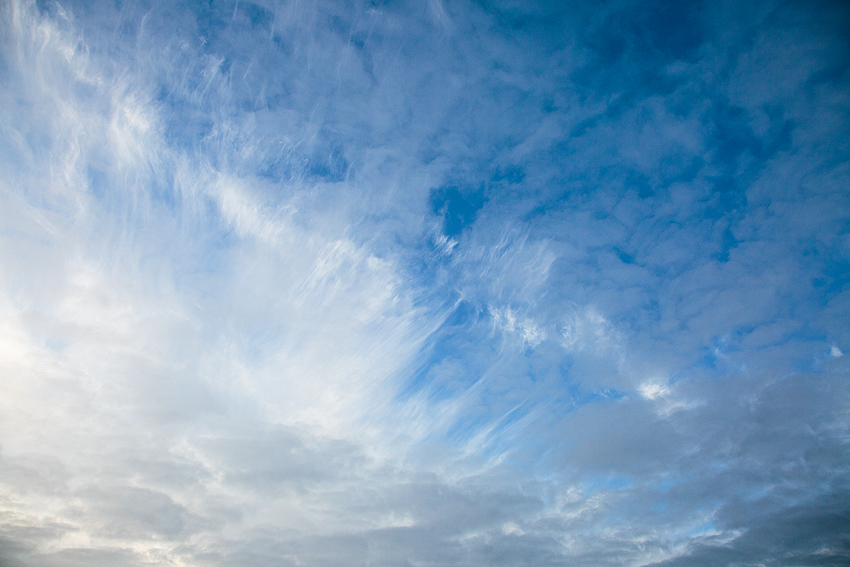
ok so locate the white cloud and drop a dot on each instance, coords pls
(528, 332)
(653, 390)
(229, 334)
(587, 330)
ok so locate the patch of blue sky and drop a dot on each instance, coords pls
(580, 397)
(457, 208)
(605, 483)
(670, 481)
(447, 368)
(658, 506)
(501, 404)
(489, 433)
(706, 528)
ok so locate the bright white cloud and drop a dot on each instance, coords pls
(239, 326)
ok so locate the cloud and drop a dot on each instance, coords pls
(453, 283)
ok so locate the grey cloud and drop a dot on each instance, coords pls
(814, 532)
(624, 438)
(94, 557)
(273, 462)
(34, 473)
(18, 542)
(126, 512)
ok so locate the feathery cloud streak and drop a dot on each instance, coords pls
(390, 283)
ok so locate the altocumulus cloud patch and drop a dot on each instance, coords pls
(444, 283)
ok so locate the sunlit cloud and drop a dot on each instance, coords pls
(449, 283)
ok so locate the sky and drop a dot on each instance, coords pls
(424, 283)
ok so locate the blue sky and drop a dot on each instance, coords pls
(424, 283)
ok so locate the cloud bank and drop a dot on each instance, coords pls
(390, 283)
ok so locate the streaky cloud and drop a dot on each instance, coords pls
(453, 283)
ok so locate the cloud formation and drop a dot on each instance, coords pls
(448, 283)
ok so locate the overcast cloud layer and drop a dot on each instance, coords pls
(424, 283)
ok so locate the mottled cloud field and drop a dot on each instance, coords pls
(425, 284)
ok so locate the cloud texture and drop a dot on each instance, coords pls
(443, 283)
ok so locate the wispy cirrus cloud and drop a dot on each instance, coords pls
(452, 283)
